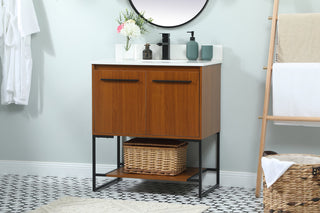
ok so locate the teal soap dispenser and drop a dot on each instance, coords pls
(192, 48)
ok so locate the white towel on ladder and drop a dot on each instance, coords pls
(296, 92)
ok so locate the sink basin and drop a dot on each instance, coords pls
(165, 61)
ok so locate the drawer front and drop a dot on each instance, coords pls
(173, 103)
(119, 102)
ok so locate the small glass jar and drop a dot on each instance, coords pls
(147, 53)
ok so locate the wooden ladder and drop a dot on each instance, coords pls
(265, 117)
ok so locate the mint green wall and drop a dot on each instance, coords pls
(56, 126)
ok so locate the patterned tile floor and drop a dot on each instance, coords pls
(22, 193)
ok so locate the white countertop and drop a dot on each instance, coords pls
(139, 62)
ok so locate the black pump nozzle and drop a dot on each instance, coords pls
(192, 38)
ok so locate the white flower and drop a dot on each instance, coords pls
(130, 29)
(130, 21)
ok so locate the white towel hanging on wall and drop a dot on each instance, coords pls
(18, 22)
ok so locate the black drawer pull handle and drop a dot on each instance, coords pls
(172, 81)
(119, 80)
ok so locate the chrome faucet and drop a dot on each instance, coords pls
(165, 46)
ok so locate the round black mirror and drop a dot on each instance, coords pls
(169, 13)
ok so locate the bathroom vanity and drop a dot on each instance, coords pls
(174, 99)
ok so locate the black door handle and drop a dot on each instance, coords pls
(172, 81)
(119, 80)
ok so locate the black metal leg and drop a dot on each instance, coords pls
(119, 155)
(218, 158)
(94, 164)
(200, 169)
(118, 152)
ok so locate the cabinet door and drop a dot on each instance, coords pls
(119, 102)
(173, 103)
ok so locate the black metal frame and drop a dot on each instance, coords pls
(136, 10)
(193, 178)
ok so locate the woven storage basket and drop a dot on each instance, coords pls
(298, 189)
(155, 156)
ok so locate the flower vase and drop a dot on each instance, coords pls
(128, 54)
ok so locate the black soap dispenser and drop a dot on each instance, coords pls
(192, 48)
(147, 53)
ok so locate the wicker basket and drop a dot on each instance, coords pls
(298, 189)
(155, 156)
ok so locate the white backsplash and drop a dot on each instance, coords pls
(177, 52)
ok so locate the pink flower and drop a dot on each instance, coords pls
(120, 27)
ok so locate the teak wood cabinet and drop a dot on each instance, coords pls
(179, 102)
(156, 101)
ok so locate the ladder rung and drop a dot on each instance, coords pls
(265, 68)
(270, 18)
(291, 118)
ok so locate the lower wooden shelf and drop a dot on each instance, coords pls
(184, 176)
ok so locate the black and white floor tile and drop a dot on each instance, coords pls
(23, 193)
